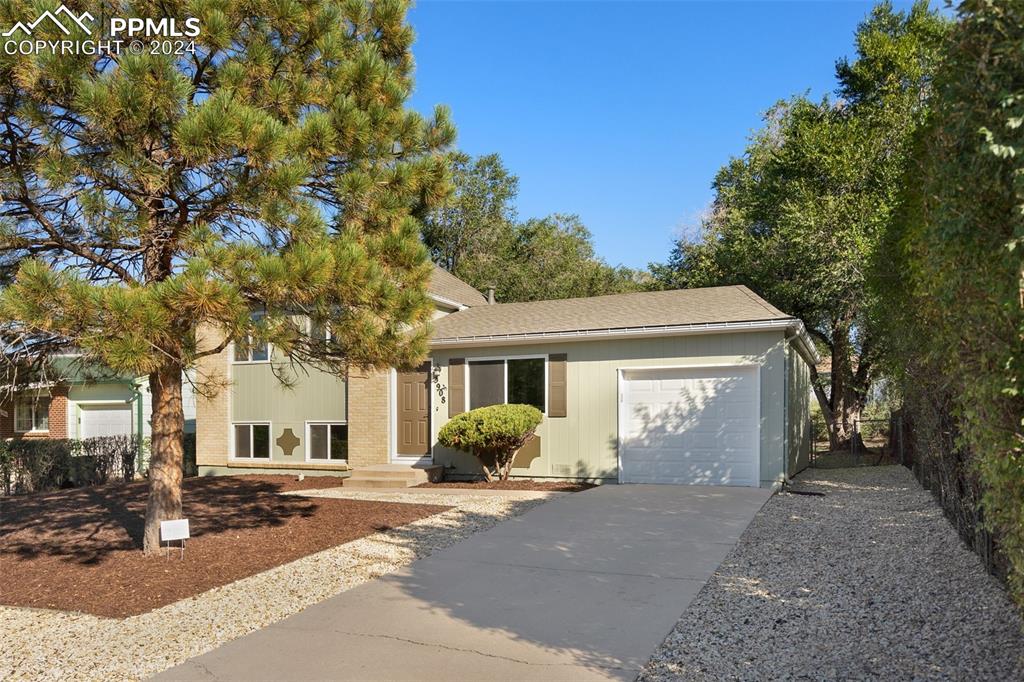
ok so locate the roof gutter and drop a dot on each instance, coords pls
(793, 325)
(803, 343)
(447, 301)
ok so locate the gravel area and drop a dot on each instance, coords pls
(40, 644)
(867, 582)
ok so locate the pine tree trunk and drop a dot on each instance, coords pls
(166, 455)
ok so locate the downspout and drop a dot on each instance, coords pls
(137, 397)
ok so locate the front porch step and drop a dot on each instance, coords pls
(392, 476)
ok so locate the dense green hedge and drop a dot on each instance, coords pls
(492, 434)
(28, 466)
(949, 281)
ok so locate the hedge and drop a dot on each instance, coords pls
(949, 284)
(28, 466)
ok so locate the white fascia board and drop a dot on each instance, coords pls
(447, 301)
(621, 333)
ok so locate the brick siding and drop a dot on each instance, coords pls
(58, 416)
(212, 397)
(368, 418)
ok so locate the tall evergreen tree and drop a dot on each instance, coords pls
(274, 170)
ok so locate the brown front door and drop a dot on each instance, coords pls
(414, 412)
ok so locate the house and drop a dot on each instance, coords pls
(689, 386)
(78, 400)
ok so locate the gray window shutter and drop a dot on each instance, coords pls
(456, 386)
(557, 383)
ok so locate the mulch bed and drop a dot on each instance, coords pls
(80, 550)
(514, 484)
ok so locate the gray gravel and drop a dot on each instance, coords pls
(868, 582)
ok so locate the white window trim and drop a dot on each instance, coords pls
(236, 361)
(328, 335)
(33, 404)
(505, 359)
(231, 445)
(328, 423)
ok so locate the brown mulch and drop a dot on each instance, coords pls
(80, 550)
(514, 484)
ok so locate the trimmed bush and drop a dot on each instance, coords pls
(30, 466)
(493, 435)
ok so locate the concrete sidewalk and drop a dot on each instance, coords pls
(585, 586)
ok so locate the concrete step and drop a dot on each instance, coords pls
(401, 473)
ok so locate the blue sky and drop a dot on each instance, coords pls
(622, 112)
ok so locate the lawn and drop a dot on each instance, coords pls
(80, 550)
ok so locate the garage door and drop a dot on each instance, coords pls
(692, 426)
(106, 420)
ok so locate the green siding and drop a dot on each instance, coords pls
(798, 420)
(584, 443)
(257, 395)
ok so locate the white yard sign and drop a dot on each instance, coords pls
(171, 531)
(174, 530)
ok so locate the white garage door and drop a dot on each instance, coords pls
(106, 420)
(691, 426)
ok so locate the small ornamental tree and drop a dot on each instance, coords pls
(493, 435)
(270, 177)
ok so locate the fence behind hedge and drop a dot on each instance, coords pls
(946, 471)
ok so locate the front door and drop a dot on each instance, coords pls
(413, 412)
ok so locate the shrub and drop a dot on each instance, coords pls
(493, 435)
(29, 466)
(39, 465)
(108, 456)
(188, 462)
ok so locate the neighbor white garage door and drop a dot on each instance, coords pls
(106, 420)
(690, 426)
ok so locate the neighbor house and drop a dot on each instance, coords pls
(75, 399)
(689, 386)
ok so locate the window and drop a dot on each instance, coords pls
(507, 380)
(32, 414)
(252, 441)
(320, 333)
(249, 349)
(327, 441)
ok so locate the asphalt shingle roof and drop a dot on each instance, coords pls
(446, 285)
(618, 311)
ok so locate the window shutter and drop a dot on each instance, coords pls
(557, 382)
(456, 386)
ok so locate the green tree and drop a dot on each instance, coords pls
(543, 259)
(949, 278)
(475, 235)
(477, 213)
(798, 217)
(274, 171)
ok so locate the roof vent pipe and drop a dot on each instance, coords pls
(490, 294)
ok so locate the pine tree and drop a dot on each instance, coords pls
(275, 170)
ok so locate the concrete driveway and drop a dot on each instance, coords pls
(583, 587)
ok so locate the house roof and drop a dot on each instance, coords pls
(641, 310)
(449, 288)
